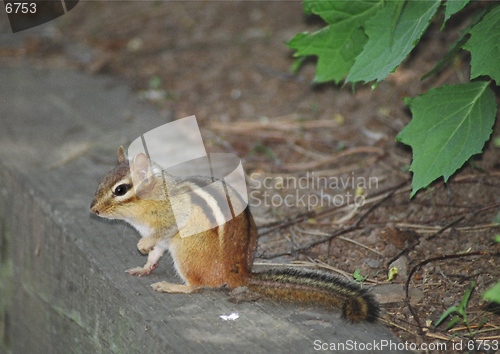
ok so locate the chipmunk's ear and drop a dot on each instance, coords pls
(121, 154)
(140, 168)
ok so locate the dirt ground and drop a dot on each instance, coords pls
(317, 157)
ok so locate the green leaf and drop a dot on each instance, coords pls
(338, 44)
(465, 299)
(457, 45)
(358, 277)
(392, 273)
(297, 64)
(449, 125)
(154, 83)
(493, 293)
(462, 308)
(343, 11)
(448, 312)
(396, 14)
(452, 7)
(387, 48)
(335, 53)
(452, 322)
(484, 46)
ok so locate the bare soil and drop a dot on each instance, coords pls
(323, 152)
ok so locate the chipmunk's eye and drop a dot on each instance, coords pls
(122, 189)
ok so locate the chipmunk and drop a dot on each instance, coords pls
(221, 255)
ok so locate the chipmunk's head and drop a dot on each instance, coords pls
(116, 197)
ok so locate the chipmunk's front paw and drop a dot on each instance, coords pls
(146, 244)
(140, 271)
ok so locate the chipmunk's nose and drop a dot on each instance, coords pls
(93, 208)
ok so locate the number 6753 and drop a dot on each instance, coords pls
(20, 7)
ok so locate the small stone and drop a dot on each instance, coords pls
(243, 294)
(373, 263)
(394, 293)
(402, 265)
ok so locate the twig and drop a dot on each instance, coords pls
(495, 328)
(413, 245)
(301, 166)
(319, 264)
(282, 125)
(319, 233)
(401, 327)
(429, 229)
(331, 236)
(489, 338)
(442, 337)
(361, 245)
(278, 225)
(444, 228)
(348, 216)
(301, 150)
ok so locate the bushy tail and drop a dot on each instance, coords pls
(316, 287)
